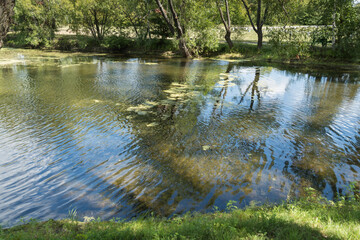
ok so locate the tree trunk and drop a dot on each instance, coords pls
(259, 26)
(180, 33)
(228, 39)
(184, 49)
(6, 14)
(179, 30)
(227, 24)
(260, 38)
(334, 26)
(165, 16)
(260, 21)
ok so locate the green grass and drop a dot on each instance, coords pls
(305, 219)
(244, 48)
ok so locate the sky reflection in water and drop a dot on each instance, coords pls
(117, 138)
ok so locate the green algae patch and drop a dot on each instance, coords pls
(300, 220)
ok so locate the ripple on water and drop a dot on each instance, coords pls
(114, 139)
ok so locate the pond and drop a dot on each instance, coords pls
(115, 137)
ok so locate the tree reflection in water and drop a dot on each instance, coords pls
(119, 138)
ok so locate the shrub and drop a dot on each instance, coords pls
(203, 41)
(290, 42)
(67, 44)
(116, 43)
(156, 44)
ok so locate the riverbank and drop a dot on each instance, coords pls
(305, 219)
(167, 48)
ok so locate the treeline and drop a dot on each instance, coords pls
(193, 25)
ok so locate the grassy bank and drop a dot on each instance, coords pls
(168, 48)
(310, 218)
(112, 44)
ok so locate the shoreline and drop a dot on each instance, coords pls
(310, 63)
(312, 217)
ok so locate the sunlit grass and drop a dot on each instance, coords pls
(304, 219)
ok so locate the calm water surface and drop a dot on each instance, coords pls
(115, 137)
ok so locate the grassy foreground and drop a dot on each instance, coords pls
(305, 219)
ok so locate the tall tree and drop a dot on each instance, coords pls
(94, 16)
(6, 14)
(226, 21)
(175, 26)
(261, 17)
(136, 14)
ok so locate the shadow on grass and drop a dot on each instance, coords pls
(249, 224)
(211, 227)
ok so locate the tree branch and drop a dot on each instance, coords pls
(228, 13)
(164, 14)
(176, 19)
(222, 16)
(248, 13)
(265, 16)
(283, 7)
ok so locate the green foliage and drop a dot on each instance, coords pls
(93, 16)
(202, 35)
(76, 43)
(348, 31)
(290, 42)
(309, 13)
(141, 17)
(310, 217)
(72, 215)
(321, 35)
(115, 24)
(156, 44)
(116, 43)
(67, 44)
(203, 41)
(36, 21)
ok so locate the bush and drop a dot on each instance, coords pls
(36, 22)
(203, 41)
(76, 43)
(321, 35)
(67, 44)
(116, 43)
(157, 44)
(290, 42)
(348, 39)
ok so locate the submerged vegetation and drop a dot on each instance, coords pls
(312, 217)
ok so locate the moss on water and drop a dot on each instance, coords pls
(301, 220)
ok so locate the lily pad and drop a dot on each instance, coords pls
(142, 113)
(206, 147)
(154, 124)
(151, 103)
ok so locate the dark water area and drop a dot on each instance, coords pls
(114, 137)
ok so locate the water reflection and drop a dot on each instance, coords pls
(117, 137)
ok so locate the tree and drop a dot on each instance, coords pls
(94, 16)
(346, 28)
(175, 26)
(260, 18)
(136, 14)
(6, 14)
(226, 21)
(344, 20)
(36, 21)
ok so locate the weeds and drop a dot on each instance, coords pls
(310, 217)
(72, 214)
